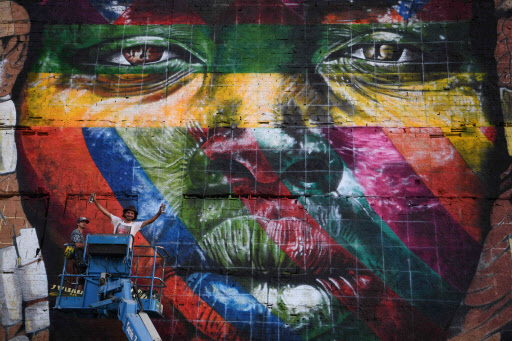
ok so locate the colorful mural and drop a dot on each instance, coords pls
(331, 168)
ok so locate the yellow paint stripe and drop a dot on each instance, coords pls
(249, 100)
(472, 145)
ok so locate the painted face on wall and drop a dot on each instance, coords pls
(325, 165)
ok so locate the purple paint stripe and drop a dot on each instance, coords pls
(74, 12)
(400, 197)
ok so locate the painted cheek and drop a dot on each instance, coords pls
(245, 100)
(436, 103)
(48, 103)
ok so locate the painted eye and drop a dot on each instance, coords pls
(385, 53)
(149, 54)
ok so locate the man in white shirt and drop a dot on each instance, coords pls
(127, 224)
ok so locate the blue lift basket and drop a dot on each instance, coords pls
(121, 282)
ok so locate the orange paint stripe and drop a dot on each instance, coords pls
(451, 180)
(355, 16)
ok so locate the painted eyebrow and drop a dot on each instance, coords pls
(413, 33)
(89, 34)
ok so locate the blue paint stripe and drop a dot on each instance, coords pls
(125, 177)
(407, 8)
(240, 308)
(111, 10)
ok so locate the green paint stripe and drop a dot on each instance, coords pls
(90, 49)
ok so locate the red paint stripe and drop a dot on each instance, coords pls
(442, 10)
(291, 227)
(198, 312)
(490, 133)
(57, 161)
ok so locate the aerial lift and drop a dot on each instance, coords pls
(121, 281)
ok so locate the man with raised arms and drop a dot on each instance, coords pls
(127, 224)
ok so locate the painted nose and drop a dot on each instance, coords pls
(255, 162)
(231, 160)
(235, 154)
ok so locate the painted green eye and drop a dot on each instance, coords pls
(148, 52)
(384, 51)
(378, 52)
(138, 65)
(389, 58)
(140, 54)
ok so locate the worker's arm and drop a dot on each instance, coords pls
(101, 208)
(153, 218)
(80, 245)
